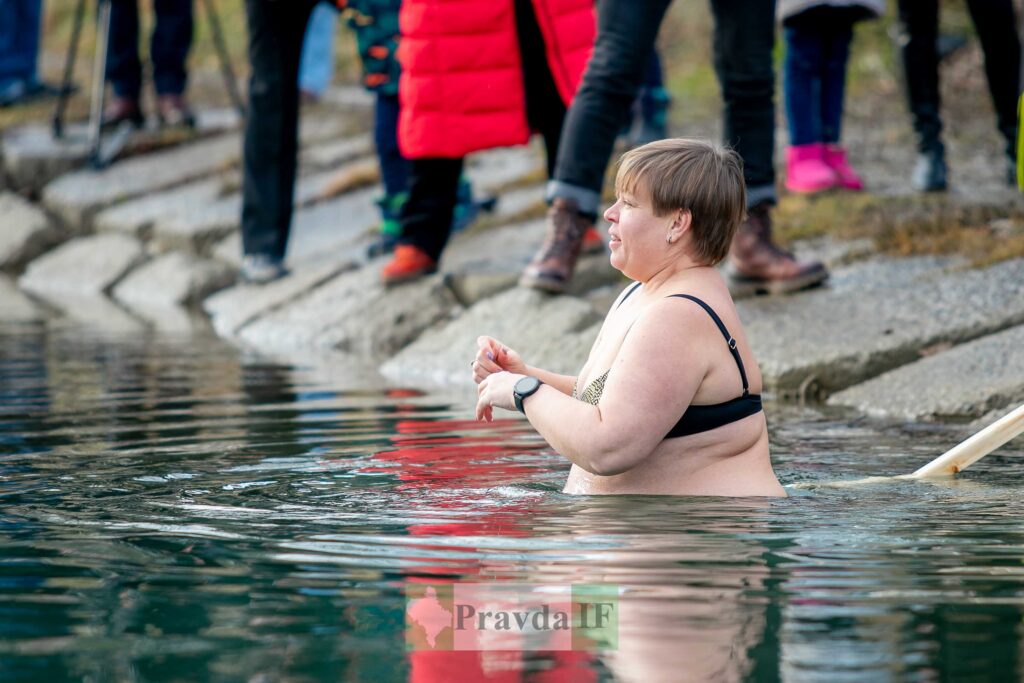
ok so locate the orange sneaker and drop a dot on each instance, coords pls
(408, 263)
(592, 242)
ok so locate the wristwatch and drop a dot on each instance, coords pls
(524, 388)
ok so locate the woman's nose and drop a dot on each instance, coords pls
(612, 213)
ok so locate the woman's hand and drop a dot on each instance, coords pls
(492, 356)
(495, 391)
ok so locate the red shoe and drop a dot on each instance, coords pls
(592, 242)
(408, 263)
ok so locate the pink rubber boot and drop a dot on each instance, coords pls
(806, 170)
(835, 157)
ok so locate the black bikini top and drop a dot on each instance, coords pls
(698, 418)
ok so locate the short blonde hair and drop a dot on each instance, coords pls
(694, 175)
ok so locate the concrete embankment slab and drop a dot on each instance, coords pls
(354, 313)
(550, 332)
(15, 307)
(173, 279)
(480, 265)
(86, 266)
(77, 196)
(139, 216)
(964, 381)
(233, 308)
(836, 339)
(25, 232)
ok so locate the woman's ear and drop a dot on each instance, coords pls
(681, 223)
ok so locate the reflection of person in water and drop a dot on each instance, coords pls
(668, 401)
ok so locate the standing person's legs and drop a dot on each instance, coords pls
(743, 41)
(836, 53)
(919, 20)
(427, 217)
(270, 147)
(839, 34)
(803, 85)
(394, 168)
(626, 30)
(20, 25)
(168, 48)
(124, 71)
(170, 44)
(802, 82)
(996, 23)
(545, 110)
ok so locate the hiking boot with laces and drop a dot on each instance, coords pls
(758, 266)
(552, 266)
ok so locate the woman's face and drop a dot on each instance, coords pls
(636, 236)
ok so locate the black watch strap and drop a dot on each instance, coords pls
(524, 388)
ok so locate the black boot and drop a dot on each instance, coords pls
(930, 170)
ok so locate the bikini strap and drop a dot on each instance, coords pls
(725, 332)
(631, 290)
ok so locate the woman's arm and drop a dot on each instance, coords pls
(652, 381)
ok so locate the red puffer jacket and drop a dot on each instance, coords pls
(461, 88)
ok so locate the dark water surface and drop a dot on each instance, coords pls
(173, 510)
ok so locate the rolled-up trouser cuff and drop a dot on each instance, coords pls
(587, 201)
(758, 195)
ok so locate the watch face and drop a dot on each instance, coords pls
(527, 385)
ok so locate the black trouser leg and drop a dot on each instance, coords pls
(169, 46)
(124, 71)
(427, 215)
(744, 38)
(545, 111)
(920, 24)
(996, 24)
(626, 30)
(270, 147)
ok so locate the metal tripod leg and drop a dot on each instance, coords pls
(225, 59)
(99, 73)
(69, 68)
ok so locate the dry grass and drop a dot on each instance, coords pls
(984, 234)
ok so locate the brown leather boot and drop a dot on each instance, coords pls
(758, 266)
(552, 266)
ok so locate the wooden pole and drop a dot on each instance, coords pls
(962, 456)
(955, 460)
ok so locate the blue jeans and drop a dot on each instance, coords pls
(317, 65)
(817, 49)
(19, 40)
(168, 48)
(394, 168)
(626, 30)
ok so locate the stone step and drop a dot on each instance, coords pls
(965, 381)
(172, 279)
(76, 197)
(25, 232)
(79, 195)
(479, 265)
(325, 231)
(33, 157)
(15, 307)
(825, 341)
(555, 333)
(86, 266)
(232, 309)
(355, 314)
(194, 216)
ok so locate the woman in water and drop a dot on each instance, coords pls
(668, 401)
